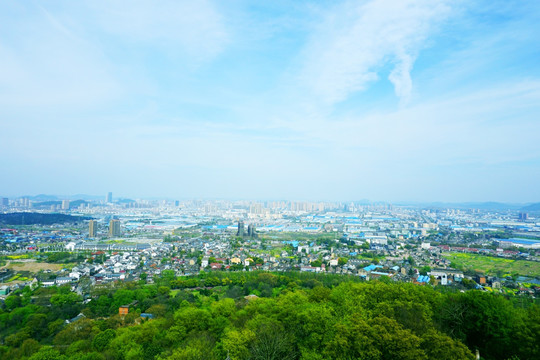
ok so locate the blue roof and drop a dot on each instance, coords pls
(294, 243)
(372, 267)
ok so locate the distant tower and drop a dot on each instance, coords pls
(240, 228)
(65, 204)
(108, 199)
(5, 202)
(114, 228)
(251, 231)
(92, 228)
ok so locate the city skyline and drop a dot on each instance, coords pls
(409, 101)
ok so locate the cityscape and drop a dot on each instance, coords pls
(191, 250)
(269, 180)
(435, 245)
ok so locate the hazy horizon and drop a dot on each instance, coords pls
(397, 101)
(94, 197)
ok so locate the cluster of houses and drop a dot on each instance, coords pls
(213, 250)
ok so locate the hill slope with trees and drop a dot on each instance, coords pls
(294, 316)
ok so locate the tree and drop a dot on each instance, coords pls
(271, 343)
(62, 300)
(442, 347)
(47, 353)
(82, 329)
(157, 310)
(13, 301)
(424, 270)
(102, 340)
(481, 320)
(237, 343)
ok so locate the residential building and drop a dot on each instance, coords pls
(114, 228)
(92, 228)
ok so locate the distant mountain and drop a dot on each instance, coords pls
(47, 203)
(492, 206)
(43, 197)
(531, 207)
(86, 197)
(489, 205)
(77, 203)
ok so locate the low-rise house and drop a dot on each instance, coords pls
(61, 280)
(4, 290)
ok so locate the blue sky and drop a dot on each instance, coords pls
(304, 100)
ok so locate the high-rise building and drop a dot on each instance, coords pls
(251, 231)
(92, 228)
(5, 202)
(114, 228)
(65, 204)
(108, 198)
(240, 231)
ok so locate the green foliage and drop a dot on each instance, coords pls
(296, 316)
(102, 340)
(48, 353)
(58, 257)
(316, 263)
(65, 299)
(424, 270)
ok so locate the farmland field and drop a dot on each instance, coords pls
(491, 265)
(33, 266)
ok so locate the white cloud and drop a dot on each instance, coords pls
(194, 27)
(43, 63)
(357, 39)
(489, 126)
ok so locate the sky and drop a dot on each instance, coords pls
(420, 100)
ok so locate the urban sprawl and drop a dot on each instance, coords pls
(139, 240)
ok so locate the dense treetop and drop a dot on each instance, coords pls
(29, 218)
(290, 316)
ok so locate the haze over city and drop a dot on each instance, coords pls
(348, 100)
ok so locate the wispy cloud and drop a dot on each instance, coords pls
(195, 28)
(44, 64)
(195, 99)
(357, 40)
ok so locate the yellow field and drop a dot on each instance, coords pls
(17, 257)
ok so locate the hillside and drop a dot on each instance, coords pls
(286, 317)
(29, 218)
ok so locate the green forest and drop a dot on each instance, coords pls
(259, 315)
(31, 218)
